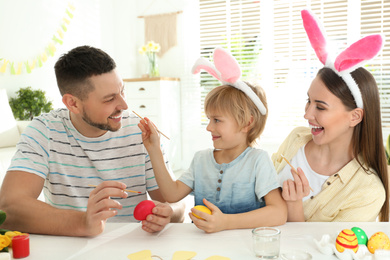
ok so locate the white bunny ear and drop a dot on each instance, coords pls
(227, 65)
(203, 64)
(359, 52)
(316, 34)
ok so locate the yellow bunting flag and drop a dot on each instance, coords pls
(71, 7)
(19, 70)
(4, 66)
(66, 20)
(44, 57)
(32, 66)
(60, 33)
(17, 67)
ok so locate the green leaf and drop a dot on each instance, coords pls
(29, 103)
(3, 216)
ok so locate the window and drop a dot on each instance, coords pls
(268, 40)
(233, 25)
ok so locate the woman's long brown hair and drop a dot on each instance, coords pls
(367, 139)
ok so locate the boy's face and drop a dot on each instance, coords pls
(102, 110)
(225, 132)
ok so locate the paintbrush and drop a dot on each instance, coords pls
(292, 167)
(156, 126)
(91, 185)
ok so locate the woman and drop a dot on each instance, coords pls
(341, 155)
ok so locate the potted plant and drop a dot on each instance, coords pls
(29, 103)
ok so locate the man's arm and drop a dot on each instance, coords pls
(25, 213)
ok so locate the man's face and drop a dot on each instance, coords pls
(102, 110)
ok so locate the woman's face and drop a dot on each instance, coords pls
(328, 118)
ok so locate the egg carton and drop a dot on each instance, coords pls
(327, 247)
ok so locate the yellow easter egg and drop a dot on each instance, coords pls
(203, 209)
(346, 240)
(378, 241)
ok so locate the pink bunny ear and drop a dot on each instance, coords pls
(203, 64)
(226, 65)
(362, 50)
(316, 34)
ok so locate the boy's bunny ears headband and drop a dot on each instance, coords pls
(347, 61)
(227, 71)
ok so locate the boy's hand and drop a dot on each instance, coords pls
(210, 223)
(150, 136)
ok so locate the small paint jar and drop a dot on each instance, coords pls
(21, 246)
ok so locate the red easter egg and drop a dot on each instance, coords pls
(143, 209)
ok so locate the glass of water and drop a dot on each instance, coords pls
(266, 242)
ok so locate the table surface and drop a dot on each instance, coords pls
(121, 239)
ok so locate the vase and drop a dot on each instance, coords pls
(153, 70)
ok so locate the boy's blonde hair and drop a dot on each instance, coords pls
(228, 99)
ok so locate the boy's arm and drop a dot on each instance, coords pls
(273, 214)
(171, 190)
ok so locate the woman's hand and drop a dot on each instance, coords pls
(215, 222)
(297, 189)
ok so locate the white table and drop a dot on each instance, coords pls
(120, 240)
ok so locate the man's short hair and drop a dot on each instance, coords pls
(73, 70)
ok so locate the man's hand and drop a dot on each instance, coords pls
(161, 216)
(101, 207)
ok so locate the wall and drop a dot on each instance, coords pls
(114, 27)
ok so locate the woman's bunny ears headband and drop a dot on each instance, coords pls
(227, 71)
(347, 61)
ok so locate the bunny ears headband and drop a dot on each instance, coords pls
(227, 71)
(348, 60)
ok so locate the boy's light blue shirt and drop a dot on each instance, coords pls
(235, 187)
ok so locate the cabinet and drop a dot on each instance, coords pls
(159, 100)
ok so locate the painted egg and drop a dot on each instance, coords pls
(143, 209)
(346, 240)
(361, 235)
(203, 209)
(378, 241)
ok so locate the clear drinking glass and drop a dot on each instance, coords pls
(266, 242)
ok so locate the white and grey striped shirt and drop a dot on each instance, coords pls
(53, 149)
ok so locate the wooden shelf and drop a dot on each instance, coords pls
(151, 79)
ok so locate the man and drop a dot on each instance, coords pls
(92, 142)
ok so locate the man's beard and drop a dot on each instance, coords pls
(101, 126)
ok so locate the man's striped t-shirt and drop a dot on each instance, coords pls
(53, 149)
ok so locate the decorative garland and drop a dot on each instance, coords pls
(16, 68)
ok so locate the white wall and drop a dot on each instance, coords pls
(114, 27)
